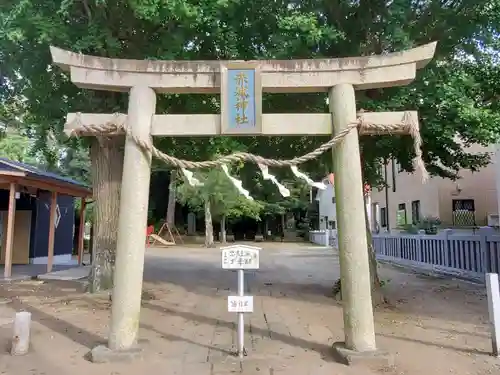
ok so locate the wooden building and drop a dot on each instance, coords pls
(37, 216)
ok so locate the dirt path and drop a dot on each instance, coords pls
(433, 326)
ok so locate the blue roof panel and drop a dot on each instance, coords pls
(35, 172)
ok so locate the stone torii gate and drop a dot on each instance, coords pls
(241, 84)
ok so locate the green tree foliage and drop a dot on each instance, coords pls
(75, 163)
(217, 198)
(453, 94)
(15, 146)
(273, 203)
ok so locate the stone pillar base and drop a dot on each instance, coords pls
(103, 354)
(350, 357)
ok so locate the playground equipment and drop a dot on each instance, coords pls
(159, 239)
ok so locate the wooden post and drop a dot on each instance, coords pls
(11, 217)
(52, 231)
(81, 232)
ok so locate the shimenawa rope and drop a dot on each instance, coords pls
(407, 126)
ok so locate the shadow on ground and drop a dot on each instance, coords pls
(308, 274)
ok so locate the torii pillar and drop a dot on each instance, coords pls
(356, 286)
(339, 77)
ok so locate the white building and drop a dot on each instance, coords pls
(470, 201)
(328, 205)
(433, 198)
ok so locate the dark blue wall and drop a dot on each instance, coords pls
(25, 202)
(39, 235)
(64, 232)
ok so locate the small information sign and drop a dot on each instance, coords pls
(240, 304)
(240, 257)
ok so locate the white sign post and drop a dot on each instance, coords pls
(240, 258)
(493, 293)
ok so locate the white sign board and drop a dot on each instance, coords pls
(240, 304)
(493, 293)
(240, 257)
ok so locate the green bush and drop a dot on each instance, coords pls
(411, 228)
(428, 224)
(303, 228)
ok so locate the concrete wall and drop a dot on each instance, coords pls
(406, 189)
(436, 196)
(479, 186)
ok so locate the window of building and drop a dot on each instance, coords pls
(382, 176)
(463, 204)
(383, 217)
(464, 212)
(415, 212)
(332, 224)
(401, 218)
(333, 200)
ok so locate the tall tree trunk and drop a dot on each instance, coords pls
(106, 155)
(376, 287)
(209, 228)
(223, 238)
(171, 199)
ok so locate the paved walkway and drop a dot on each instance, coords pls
(277, 341)
(187, 330)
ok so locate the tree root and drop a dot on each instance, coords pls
(378, 297)
(145, 296)
(337, 290)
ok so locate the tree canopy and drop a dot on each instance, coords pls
(455, 95)
(225, 200)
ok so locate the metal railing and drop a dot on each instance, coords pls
(467, 256)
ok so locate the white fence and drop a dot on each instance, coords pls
(468, 256)
(326, 237)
